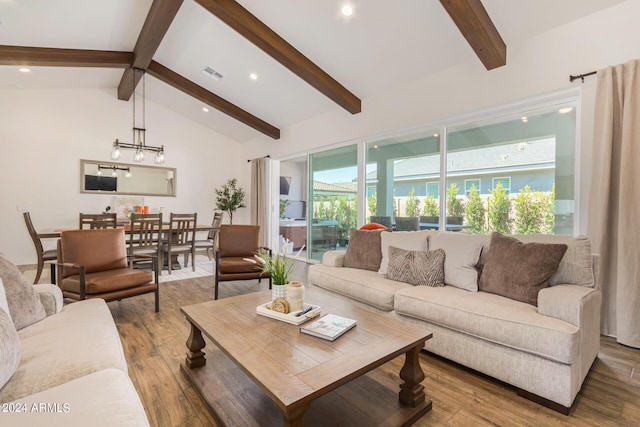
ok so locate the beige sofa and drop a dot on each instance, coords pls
(544, 351)
(69, 367)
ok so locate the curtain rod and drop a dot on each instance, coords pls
(263, 157)
(581, 76)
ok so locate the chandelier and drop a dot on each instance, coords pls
(139, 142)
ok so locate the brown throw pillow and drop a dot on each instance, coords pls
(363, 250)
(23, 301)
(517, 270)
(420, 268)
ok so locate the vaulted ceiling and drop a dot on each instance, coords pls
(308, 58)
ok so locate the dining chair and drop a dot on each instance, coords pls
(145, 237)
(93, 264)
(181, 239)
(94, 221)
(210, 244)
(407, 223)
(383, 220)
(235, 243)
(43, 255)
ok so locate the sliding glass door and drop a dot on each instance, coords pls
(332, 210)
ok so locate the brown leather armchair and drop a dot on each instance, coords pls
(236, 242)
(93, 264)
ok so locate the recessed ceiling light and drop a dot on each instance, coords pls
(24, 70)
(436, 135)
(253, 76)
(524, 119)
(565, 110)
(205, 109)
(346, 10)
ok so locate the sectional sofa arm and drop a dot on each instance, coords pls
(571, 303)
(50, 297)
(333, 258)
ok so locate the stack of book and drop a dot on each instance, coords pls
(329, 327)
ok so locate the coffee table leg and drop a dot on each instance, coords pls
(195, 344)
(411, 391)
(294, 417)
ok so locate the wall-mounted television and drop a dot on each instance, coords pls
(285, 184)
(100, 183)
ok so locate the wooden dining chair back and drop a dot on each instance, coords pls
(235, 243)
(93, 264)
(181, 239)
(407, 223)
(212, 238)
(97, 221)
(145, 236)
(42, 254)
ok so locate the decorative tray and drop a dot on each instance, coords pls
(264, 310)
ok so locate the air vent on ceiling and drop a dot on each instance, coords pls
(212, 73)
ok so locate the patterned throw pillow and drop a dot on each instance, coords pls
(422, 268)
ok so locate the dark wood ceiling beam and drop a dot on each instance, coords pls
(53, 57)
(241, 20)
(159, 18)
(174, 79)
(476, 26)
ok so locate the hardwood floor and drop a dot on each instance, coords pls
(154, 344)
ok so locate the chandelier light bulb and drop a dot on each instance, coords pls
(115, 151)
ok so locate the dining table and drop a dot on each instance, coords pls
(175, 265)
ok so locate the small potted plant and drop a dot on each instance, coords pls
(279, 267)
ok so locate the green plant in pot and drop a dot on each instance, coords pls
(230, 198)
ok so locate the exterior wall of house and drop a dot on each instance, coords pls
(536, 66)
(45, 133)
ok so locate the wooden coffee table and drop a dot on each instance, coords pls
(262, 371)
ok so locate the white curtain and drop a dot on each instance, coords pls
(259, 193)
(614, 208)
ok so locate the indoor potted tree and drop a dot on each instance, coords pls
(230, 198)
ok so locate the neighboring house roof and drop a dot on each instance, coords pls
(539, 154)
(338, 187)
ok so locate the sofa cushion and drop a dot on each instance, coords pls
(519, 270)
(409, 240)
(4, 305)
(421, 268)
(576, 267)
(104, 398)
(24, 304)
(361, 285)
(462, 254)
(493, 318)
(363, 250)
(79, 340)
(9, 348)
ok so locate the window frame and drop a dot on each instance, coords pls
(466, 190)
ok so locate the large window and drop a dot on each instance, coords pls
(512, 173)
(522, 168)
(405, 172)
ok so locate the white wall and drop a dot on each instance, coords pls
(536, 66)
(45, 133)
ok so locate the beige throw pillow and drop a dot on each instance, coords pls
(409, 240)
(9, 348)
(463, 252)
(24, 304)
(420, 268)
(363, 250)
(519, 270)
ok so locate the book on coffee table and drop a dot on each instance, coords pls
(329, 327)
